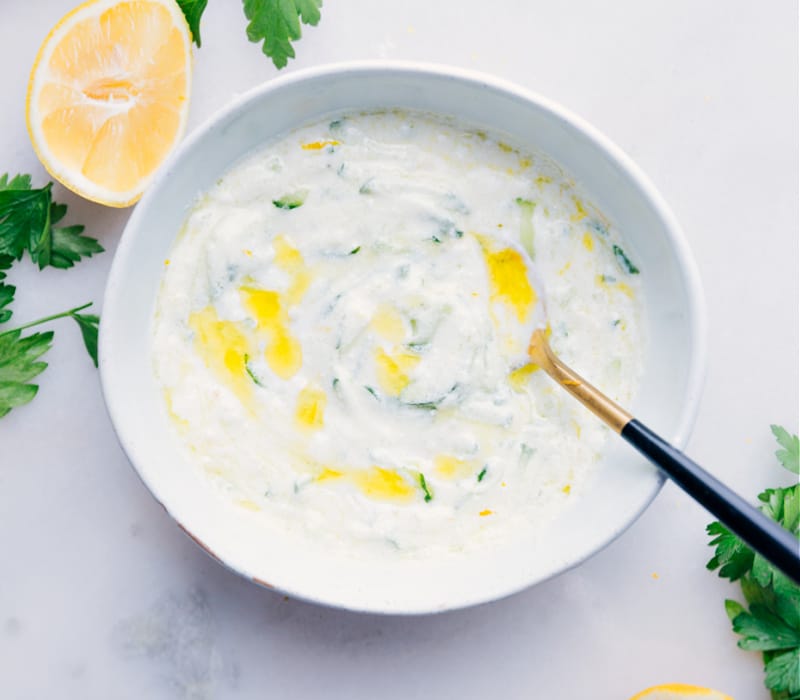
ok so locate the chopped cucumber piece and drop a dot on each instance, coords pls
(291, 201)
(526, 207)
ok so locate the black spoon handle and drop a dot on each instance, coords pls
(765, 536)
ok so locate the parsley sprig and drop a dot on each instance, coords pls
(276, 23)
(27, 223)
(19, 355)
(771, 621)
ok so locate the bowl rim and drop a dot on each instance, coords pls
(688, 270)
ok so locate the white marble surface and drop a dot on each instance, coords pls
(101, 596)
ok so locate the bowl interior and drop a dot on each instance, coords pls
(623, 484)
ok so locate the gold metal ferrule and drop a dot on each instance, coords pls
(598, 403)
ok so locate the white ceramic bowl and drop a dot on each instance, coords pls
(623, 484)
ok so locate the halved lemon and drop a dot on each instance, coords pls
(680, 691)
(108, 96)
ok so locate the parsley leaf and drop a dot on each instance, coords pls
(277, 24)
(18, 182)
(763, 630)
(26, 223)
(89, 325)
(781, 673)
(63, 246)
(6, 290)
(732, 557)
(789, 456)
(782, 505)
(193, 11)
(6, 297)
(68, 246)
(24, 216)
(18, 365)
(771, 622)
(6, 261)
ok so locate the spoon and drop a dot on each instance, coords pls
(763, 535)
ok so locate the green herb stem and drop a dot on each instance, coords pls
(425, 488)
(38, 322)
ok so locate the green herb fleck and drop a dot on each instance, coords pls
(291, 201)
(482, 473)
(335, 125)
(425, 488)
(624, 260)
(366, 188)
(453, 202)
(355, 250)
(436, 239)
(598, 227)
(424, 405)
(373, 392)
(250, 372)
(526, 452)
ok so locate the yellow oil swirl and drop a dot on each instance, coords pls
(310, 410)
(318, 145)
(508, 278)
(393, 370)
(518, 379)
(283, 352)
(388, 323)
(223, 345)
(289, 259)
(375, 482)
(449, 467)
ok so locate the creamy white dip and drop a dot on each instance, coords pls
(342, 323)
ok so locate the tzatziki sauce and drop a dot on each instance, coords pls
(341, 329)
